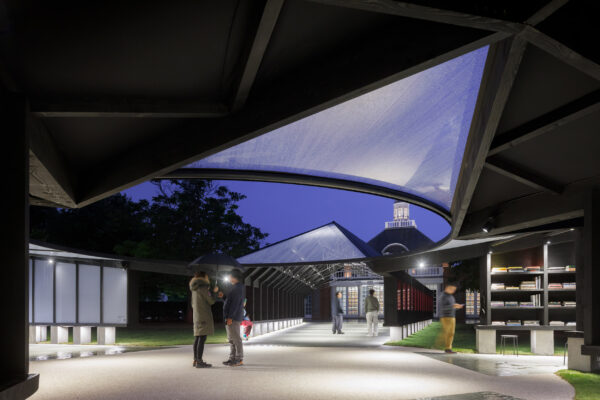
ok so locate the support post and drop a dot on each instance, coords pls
(14, 242)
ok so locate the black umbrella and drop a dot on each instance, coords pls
(214, 263)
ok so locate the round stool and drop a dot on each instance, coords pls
(515, 343)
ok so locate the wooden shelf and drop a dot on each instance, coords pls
(562, 290)
(518, 273)
(561, 272)
(517, 291)
(518, 308)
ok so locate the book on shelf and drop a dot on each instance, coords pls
(569, 285)
(553, 269)
(497, 286)
(536, 300)
(498, 323)
(512, 288)
(557, 323)
(554, 286)
(554, 304)
(570, 268)
(513, 322)
(569, 303)
(531, 323)
(497, 304)
(511, 304)
(499, 269)
(571, 323)
(515, 269)
(533, 268)
(526, 304)
(528, 285)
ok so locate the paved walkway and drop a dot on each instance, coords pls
(305, 362)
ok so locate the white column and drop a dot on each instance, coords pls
(486, 341)
(59, 334)
(33, 334)
(542, 342)
(106, 335)
(396, 333)
(82, 334)
(43, 332)
(578, 361)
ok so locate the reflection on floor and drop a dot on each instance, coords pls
(43, 352)
(473, 396)
(498, 365)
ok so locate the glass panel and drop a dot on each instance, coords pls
(65, 292)
(44, 292)
(89, 294)
(329, 242)
(114, 296)
(30, 291)
(409, 135)
(353, 300)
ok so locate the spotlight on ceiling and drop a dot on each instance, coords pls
(489, 225)
(421, 264)
(51, 260)
(548, 242)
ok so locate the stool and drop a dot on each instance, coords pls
(515, 342)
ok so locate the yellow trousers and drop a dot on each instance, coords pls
(448, 326)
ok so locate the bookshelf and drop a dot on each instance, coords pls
(546, 294)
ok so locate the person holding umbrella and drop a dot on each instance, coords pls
(203, 318)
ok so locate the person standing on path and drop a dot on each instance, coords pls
(203, 317)
(233, 313)
(338, 314)
(372, 313)
(448, 309)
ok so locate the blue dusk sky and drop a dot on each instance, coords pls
(284, 210)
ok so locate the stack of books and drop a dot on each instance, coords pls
(526, 304)
(571, 323)
(555, 286)
(530, 323)
(498, 323)
(515, 269)
(497, 304)
(554, 269)
(499, 269)
(570, 268)
(512, 287)
(569, 285)
(533, 268)
(569, 303)
(557, 323)
(511, 304)
(497, 286)
(513, 322)
(527, 285)
(554, 304)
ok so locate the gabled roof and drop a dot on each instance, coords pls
(330, 242)
(410, 237)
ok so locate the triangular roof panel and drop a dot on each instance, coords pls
(326, 243)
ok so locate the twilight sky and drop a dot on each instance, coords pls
(284, 210)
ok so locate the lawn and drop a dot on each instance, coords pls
(158, 336)
(587, 385)
(464, 340)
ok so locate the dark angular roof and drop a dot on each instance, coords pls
(410, 237)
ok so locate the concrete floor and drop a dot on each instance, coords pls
(305, 362)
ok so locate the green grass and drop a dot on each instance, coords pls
(586, 384)
(464, 340)
(159, 336)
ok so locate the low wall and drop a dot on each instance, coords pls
(268, 326)
(398, 333)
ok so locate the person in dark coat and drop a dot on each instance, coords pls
(337, 314)
(203, 318)
(233, 313)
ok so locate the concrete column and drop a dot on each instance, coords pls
(577, 361)
(106, 335)
(14, 240)
(486, 341)
(396, 333)
(542, 342)
(37, 333)
(82, 334)
(59, 334)
(43, 333)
